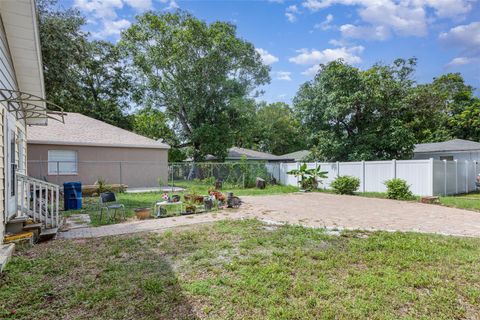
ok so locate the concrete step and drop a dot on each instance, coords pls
(32, 226)
(15, 225)
(6, 252)
(47, 234)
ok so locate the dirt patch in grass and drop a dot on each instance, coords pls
(246, 270)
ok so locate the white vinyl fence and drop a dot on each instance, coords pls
(425, 177)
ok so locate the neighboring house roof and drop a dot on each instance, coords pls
(79, 129)
(447, 146)
(236, 153)
(297, 155)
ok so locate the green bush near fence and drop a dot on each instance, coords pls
(345, 184)
(398, 189)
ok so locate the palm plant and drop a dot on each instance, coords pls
(309, 178)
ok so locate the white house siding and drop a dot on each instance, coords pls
(7, 81)
(457, 155)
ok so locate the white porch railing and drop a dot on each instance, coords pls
(39, 200)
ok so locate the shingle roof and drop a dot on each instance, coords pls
(450, 145)
(79, 129)
(236, 153)
(297, 156)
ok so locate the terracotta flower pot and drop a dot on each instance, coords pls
(142, 213)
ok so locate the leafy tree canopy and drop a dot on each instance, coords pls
(196, 72)
(80, 75)
(352, 114)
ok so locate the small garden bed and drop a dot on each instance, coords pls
(132, 201)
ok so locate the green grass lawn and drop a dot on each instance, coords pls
(148, 199)
(246, 270)
(470, 201)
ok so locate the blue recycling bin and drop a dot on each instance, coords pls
(72, 195)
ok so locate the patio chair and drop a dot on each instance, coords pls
(108, 201)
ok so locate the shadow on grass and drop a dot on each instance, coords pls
(115, 278)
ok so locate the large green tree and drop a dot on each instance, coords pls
(442, 110)
(196, 72)
(80, 75)
(351, 114)
(278, 131)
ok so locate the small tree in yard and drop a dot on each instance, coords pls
(345, 184)
(309, 178)
(398, 189)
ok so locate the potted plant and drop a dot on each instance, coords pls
(190, 209)
(142, 213)
(308, 178)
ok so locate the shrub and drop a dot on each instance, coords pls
(398, 189)
(345, 184)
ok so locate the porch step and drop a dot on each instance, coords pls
(6, 252)
(15, 225)
(47, 234)
(24, 237)
(32, 226)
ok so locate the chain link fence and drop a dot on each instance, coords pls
(147, 174)
(230, 174)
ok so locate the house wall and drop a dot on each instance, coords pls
(8, 81)
(136, 167)
(460, 156)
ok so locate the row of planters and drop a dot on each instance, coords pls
(191, 203)
(310, 178)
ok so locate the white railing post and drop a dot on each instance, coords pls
(57, 200)
(363, 176)
(338, 169)
(466, 176)
(22, 195)
(44, 197)
(34, 200)
(456, 176)
(431, 176)
(394, 168)
(445, 177)
(28, 196)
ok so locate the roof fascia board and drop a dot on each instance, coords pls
(88, 144)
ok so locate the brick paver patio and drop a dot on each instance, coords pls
(318, 210)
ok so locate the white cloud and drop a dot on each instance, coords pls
(450, 8)
(366, 33)
(140, 5)
(104, 9)
(315, 5)
(283, 75)
(466, 39)
(325, 24)
(267, 57)
(315, 57)
(402, 17)
(338, 43)
(291, 13)
(460, 61)
(172, 5)
(111, 28)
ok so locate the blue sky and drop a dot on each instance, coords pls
(294, 36)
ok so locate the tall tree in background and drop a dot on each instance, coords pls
(196, 72)
(152, 123)
(350, 114)
(279, 132)
(81, 75)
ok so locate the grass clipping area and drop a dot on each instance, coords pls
(246, 270)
